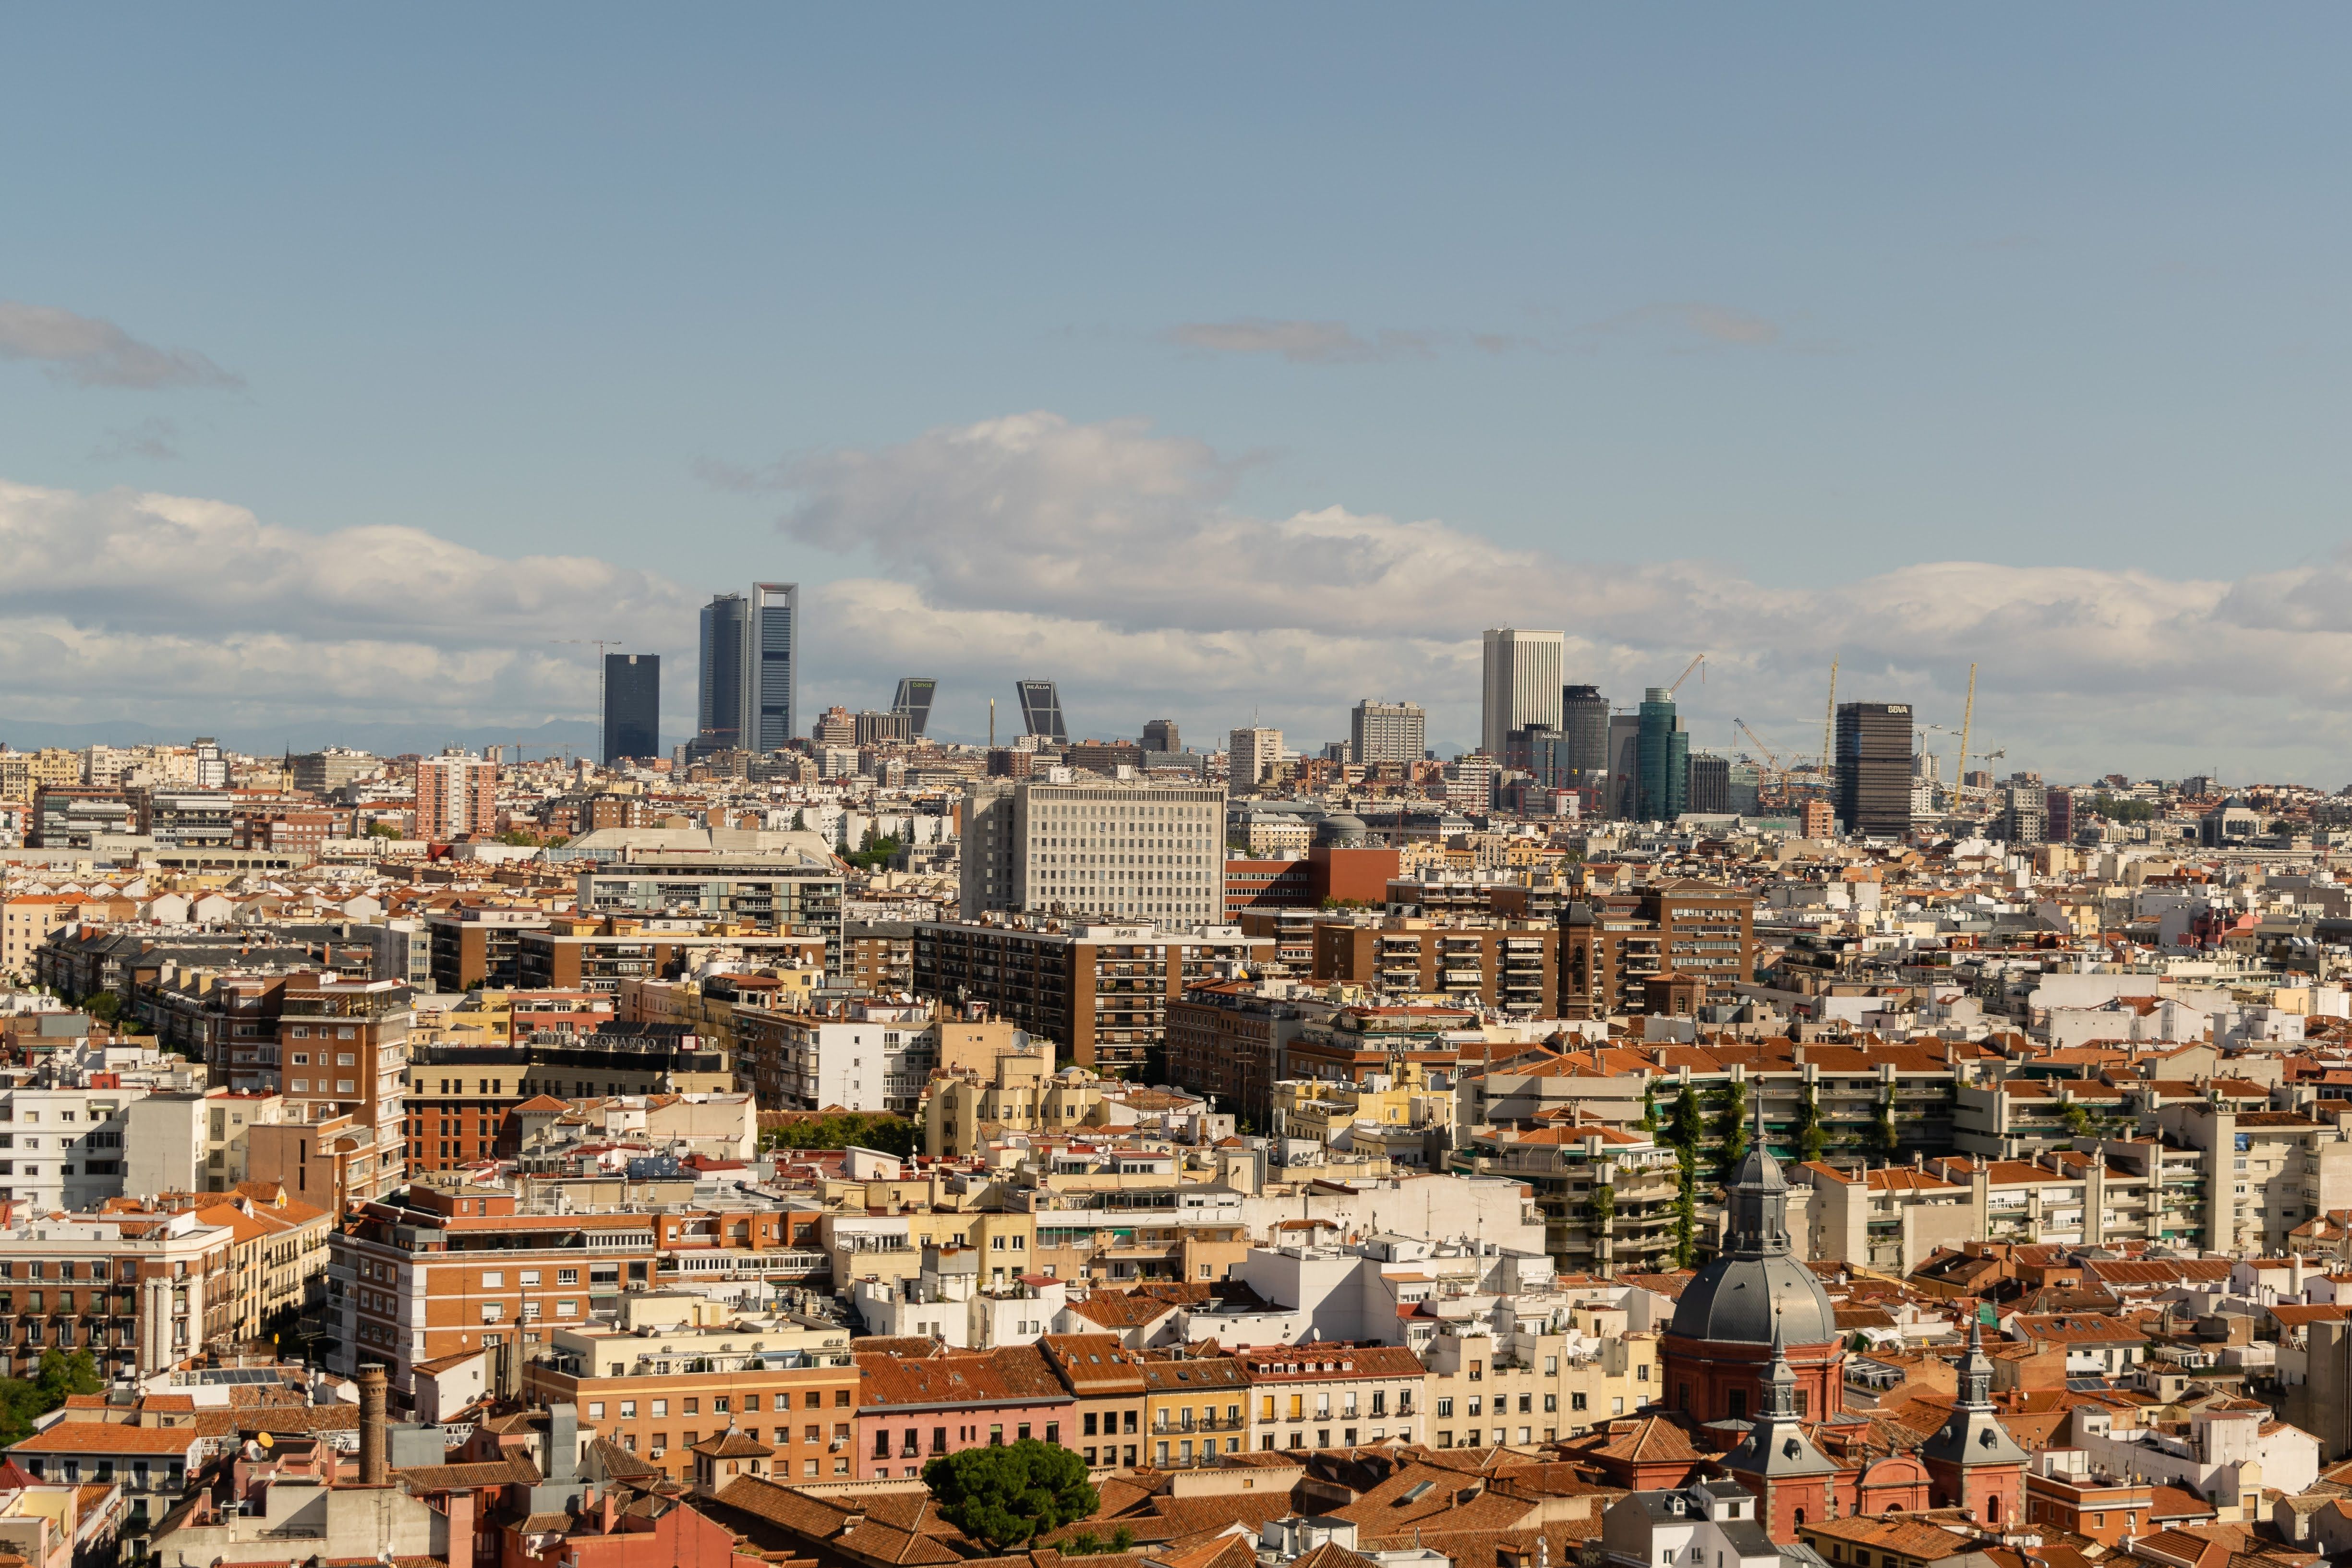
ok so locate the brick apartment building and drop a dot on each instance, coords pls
(1099, 994)
(1617, 949)
(1510, 965)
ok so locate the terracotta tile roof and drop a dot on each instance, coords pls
(110, 1438)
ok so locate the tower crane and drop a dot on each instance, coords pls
(601, 644)
(1829, 734)
(1779, 772)
(1697, 660)
(1967, 717)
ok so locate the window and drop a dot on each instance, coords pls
(661, 1407)
(1445, 1406)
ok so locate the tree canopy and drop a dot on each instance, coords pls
(24, 1401)
(1007, 1495)
(876, 1130)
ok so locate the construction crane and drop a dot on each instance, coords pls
(1968, 719)
(601, 644)
(1779, 772)
(1829, 733)
(1696, 662)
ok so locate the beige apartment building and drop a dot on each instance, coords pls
(962, 1109)
(1549, 1368)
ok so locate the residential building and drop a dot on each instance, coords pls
(1321, 1395)
(1195, 1410)
(1609, 1195)
(457, 797)
(911, 1411)
(1712, 1522)
(187, 818)
(879, 956)
(462, 1099)
(632, 705)
(72, 816)
(1253, 755)
(1615, 946)
(1512, 965)
(1873, 768)
(138, 1289)
(1226, 1041)
(674, 1368)
(1099, 992)
(875, 1056)
(1520, 686)
(784, 894)
(1387, 732)
(326, 772)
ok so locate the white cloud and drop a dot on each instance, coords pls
(90, 352)
(140, 604)
(1115, 559)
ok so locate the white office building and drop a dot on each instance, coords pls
(1522, 684)
(1132, 851)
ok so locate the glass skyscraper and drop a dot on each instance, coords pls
(1663, 760)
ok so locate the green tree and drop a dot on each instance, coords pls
(1813, 1139)
(1005, 1497)
(382, 830)
(2077, 1118)
(1883, 1137)
(1650, 1108)
(1087, 1543)
(1686, 1127)
(1603, 1204)
(104, 1005)
(1731, 1122)
(867, 1129)
(24, 1401)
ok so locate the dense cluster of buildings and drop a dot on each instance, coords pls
(1591, 1144)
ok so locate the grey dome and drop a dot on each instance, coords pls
(1732, 1301)
(1340, 829)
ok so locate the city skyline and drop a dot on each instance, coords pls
(1971, 364)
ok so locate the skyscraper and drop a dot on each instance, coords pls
(1584, 722)
(1521, 689)
(914, 699)
(1387, 732)
(632, 705)
(1662, 762)
(1160, 735)
(1708, 793)
(1625, 764)
(1041, 711)
(1873, 768)
(719, 712)
(772, 666)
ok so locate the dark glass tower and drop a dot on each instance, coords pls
(914, 699)
(632, 705)
(718, 713)
(1663, 761)
(1584, 720)
(1873, 768)
(1041, 711)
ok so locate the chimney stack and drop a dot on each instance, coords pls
(373, 1469)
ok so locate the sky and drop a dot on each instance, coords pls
(1218, 363)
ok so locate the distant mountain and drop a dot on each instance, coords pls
(385, 740)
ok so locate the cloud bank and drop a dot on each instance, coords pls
(1114, 559)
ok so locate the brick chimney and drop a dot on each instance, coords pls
(374, 1472)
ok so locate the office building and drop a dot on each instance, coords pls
(1159, 735)
(632, 705)
(457, 797)
(324, 773)
(1584, 722)
(1873, 768)
(1662, 760)
(1100, 993)
(718, 713)
(1625, 764)
(1252, 755)
(771, 667)
(914, 699)
(2025, 816)
(872, 729)
(1387, 732)
(1521, 688)
(1708, 791)
(1122, 851)
(1041, 711)
(2058, 819)
(187, 818)
(785, 894)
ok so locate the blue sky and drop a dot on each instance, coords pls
(1796, 300)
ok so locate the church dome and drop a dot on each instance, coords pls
(1732, 1299)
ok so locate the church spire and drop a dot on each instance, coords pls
(1760, 1201)
(1779, 1379)
(1976, 1369)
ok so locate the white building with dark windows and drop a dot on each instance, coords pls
(1151, 852)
